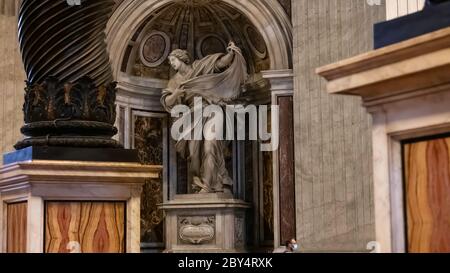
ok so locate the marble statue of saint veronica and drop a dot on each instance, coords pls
(217, 79)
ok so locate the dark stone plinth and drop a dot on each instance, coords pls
(72, 154)
(428, 20)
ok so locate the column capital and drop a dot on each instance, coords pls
(280, 80)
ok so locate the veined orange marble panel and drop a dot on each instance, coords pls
(85, 227)
(16, 228)
(427, 176)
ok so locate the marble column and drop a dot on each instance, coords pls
(281, 87)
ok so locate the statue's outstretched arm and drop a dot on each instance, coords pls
(227, 59)
(172, 99)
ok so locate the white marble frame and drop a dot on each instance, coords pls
(282, 85)
(395, 119)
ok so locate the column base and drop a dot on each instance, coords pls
(71, 206)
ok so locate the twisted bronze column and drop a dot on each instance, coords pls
(70, 95)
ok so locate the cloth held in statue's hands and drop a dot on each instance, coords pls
(219, 87)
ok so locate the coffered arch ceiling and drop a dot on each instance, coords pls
(202, 27)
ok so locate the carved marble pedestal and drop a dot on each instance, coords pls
(70, 206)
(205, 223)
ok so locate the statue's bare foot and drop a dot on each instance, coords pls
(199, 186)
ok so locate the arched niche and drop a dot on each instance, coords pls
(139, 95)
